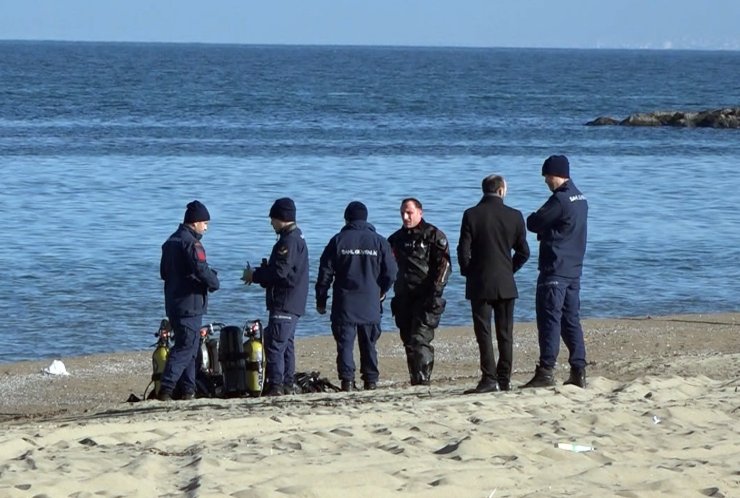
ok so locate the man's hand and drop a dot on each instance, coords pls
(247, 275)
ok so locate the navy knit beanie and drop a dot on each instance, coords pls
(283, 209)
(556, 166)
(195, 212)
(355, 211)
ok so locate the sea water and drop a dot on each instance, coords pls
(102, 145)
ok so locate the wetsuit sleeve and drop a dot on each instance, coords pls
(439, 262)
(545, 217)
(388, 267)
(521, 248)
(326, 274)
(200, 269)
(464, 246)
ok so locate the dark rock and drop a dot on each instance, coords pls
(717, 118)
(603, 121)
(641, 119)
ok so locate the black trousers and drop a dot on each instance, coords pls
(417, 337)
(503, 313)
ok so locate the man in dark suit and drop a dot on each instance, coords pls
(489, 232)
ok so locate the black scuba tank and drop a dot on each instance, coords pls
(232, 359)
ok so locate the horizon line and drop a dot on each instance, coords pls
(369, 45)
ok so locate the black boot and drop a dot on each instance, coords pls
(416, 377)
(484, 386)
(273, 390)
(414, 374)
(348, 386)
(543, 377)
(577, 377)
(426, 373)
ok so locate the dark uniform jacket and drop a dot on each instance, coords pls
(361, 264)
(423, 257)
(285, 277)
(186, 274)
(489, 232)
(560, 225)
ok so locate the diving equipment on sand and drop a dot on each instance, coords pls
(232, 359)
(255, 357)
(160, 354)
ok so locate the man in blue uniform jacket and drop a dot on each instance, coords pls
(285, 279)
(362, 267)
(187, 281)
(560, 225)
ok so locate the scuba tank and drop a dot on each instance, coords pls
(214, 366)
(231, 357)
(208, 355)
(160, 354)
(203, 362)
(255, 357)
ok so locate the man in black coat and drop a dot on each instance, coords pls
(361, 266)
(489, 233)
(187, 281)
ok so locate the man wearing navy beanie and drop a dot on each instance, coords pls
(358, 266)
(187, 281)
(284, 276)
(561, 226)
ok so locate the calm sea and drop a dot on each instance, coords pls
(102, 145)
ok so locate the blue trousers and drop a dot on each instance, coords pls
(280, 348)
(180, 368)
(368, 335)
(558, 306)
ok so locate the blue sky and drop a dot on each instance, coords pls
(699, 24)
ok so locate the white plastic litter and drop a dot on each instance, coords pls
(656, 419)
(578, 448)
(56, 368)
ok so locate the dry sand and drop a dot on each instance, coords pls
(661, 417)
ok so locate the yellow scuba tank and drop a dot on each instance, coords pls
(254, 356)
(160, 354)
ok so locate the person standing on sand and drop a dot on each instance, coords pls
(561, 226)
(285, 280)
(490, 231)
(423, 257)
(187, 281)
(361, 266)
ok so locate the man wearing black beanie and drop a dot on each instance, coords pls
(360, 265)
(560, 225)
(284, 276)
(187, 281)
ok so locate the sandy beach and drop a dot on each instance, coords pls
(661, 417)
